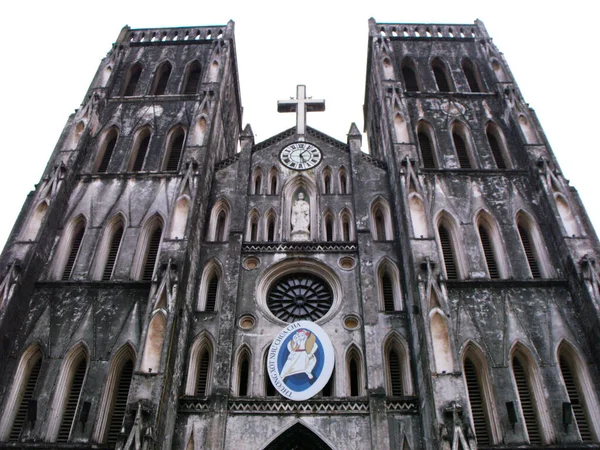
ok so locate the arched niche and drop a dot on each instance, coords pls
(566, 215)
(527, 129)
(401, 129)
(440, 341)
(180, 216)
(155, 339)
(418, 217)
(291, 190)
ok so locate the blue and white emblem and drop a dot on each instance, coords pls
(300, 360)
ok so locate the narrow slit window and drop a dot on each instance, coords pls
(461, 151)
(68, 418)
(113, 250)
(410, 79)
(193, 79)
(471, 75)
(395, 373)
(426, 150)
(211, 293)
(448, 253)
(109, 147)
(528, 406)
(488, 252)
(354, 377)
(244, 376)
(271, 229)
(387, 289)
(328, 228)
(575, 398)
(496, 150)
(202, 380)
(140, 154)
(73, 251)
(161, 79)
(28, 391)
(477, 403)
(152, 254)
(529, 251)
(120, 402)
(441, 78)
(133, 77)
(175, 150)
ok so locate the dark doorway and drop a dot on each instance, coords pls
(298, 437)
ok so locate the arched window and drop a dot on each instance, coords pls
(426, 148)
(472, 75)
(161, 78)
(491, 246)
(346, 228)
(390, 297)
(131, 80)
(107, 148)
(114, 243)
(496, 142)
(273, 181)
(394, 372)
(270, 226)
(381, 222)
(67, 395)
(270, 390)
(155, 338)
(448, 248)
(210, 287)
(581, 393)
(409, 74)
(354, 367)
(528, 401)
(257, 182)
(23, 389)
(528, 240)
(478, 389)
(326, 180)
(140, 149)
(72, 248)
(218, 230)
(114, 400)
(200, 367)
(440, 73)
(252, 231)
(398, 380)
(461, 146)
(243, 375)
(174, 149)
(328, 226)
(344, 182)
(192, 78)
(152, 246)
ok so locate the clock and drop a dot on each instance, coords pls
(300, 156)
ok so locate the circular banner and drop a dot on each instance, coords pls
(300, 360)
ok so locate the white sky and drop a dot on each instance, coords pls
(51, 50)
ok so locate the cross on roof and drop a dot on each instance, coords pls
(300, 105)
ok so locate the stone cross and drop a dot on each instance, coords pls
(300, 105)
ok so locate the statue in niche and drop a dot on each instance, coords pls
(300, 219)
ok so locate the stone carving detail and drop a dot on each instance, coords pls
(452, 433)
(300, 219)
(299, 247)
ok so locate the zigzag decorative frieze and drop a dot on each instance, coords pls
(300, 248)
(404, 405)
(194, 405)
(277, 407)
(373, 161)
(227, 162)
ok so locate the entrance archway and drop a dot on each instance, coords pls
(298, 437)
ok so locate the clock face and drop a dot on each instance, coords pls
(300, 156)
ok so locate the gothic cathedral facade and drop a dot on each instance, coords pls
(163, 252)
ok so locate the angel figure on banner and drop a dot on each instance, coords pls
(302, 358)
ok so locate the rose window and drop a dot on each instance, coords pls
(299, 296)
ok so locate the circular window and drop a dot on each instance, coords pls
(299, 296)
(246, 322)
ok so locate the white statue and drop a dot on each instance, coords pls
(302, 357)
(300, 219)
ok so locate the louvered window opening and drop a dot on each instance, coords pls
(410, 79)
(141, 154)
(395, 373)
(273, 190)
(120, 403)
(461, 151)
(488, 252)
(387, 289)
(220, 229)
(328, 229)
(75, 244)
(440, 79)
(108, 151)
(448, 253)
(112, 254)
(164, 72)
(527, 403)
(575, 400)
(202, 374)
(379, 226)
(175, 153)
(426, 150)
(72, 401)
(353, 367)
(477, 403)
(471, 78)
(152, 254)
(257, 184)
(211, 293)
(271, 230)
(529, 253)
(134, 77)
(244, 376)
(21, 416)
(193, 79)
(343, 185)
(496, 150)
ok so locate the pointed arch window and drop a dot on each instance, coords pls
(354, 373)
(113, 251)
(161, 78)
(192, 78)
(244, 373)
(257, 182)
(108, 146)
(462, 152)
(151, 253)
(526, 398)
(140, 150)
(440, 73)
(132, 79)
(200, 367)
(273, 181)
(381, 223)
(210, 287)
(496, 143)
(472, 75)
(344, 188)
(398, 381)
(425, 147)
(270, 231)
(488, 236)
(528, 243)
(270, 390)
(389, 287)
(203, 371)
(395, 372)
(477, 401)
(409, 74)
(328, 226)
(327, 181)
(252, 233)
(35, 221)
(347, 231)
(447, 246)
(174, 150)
(15, 414)
(218, 230)
(77, 232)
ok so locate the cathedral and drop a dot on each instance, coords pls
(172, 284)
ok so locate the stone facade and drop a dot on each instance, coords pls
(136, 300)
